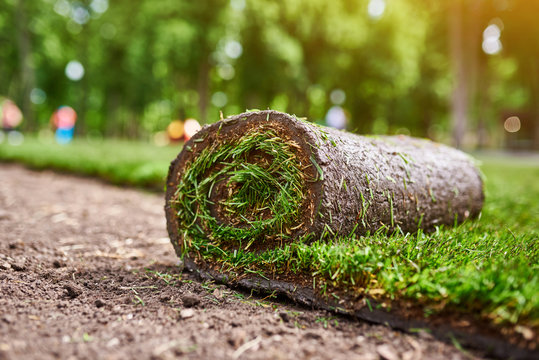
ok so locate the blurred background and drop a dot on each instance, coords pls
(464, 72)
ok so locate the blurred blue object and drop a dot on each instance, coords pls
(64, 135)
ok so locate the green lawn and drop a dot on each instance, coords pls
(488, 267)
(117, 161)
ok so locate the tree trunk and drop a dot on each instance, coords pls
(483, 99)
(112, 121)
(84, 83)
(203, 89)
(27, 76)
(459, 99)
(535, 100)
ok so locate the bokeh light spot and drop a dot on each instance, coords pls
(38, 96)
(191, 127)
(62, 7)
(316, 94)
(15, 138)
(492, 31)
(512, 124)
(336, 117)
(99, 6)
(74, 70)
(161, 138)
(175, 130)
(107, 31)
(80, 14)
(337, 96)
(403, 131)
(376, 8)
(238, 5)
(492, 46)
(491, 39)
(219, 99)
(73, 28)
(233, 49)
(226, 72)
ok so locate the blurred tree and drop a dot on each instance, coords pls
(521, 42)
(403, 66)
(465, 18)
(26, 66)
(9, 52)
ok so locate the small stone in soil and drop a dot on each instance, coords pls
(4, 351)
(4, 215)
(18, 266)
(73, 290)
(312, 335)
(61, 305)
(58, 264)
(190, 300)
(113, 342)
(99, 303)
(164, 298)
(235, 323)
(237, 337)
(218, 293)
(187, 313)
(387, 352)
(284, 316)
(8, 319)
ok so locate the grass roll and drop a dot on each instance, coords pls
(260, 179)
(362, 225)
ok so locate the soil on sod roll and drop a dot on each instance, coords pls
(254, 189)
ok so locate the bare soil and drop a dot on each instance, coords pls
(87, 272)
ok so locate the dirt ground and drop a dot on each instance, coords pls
(87, 272)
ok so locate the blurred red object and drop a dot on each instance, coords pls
(11, 114)
(64, 117)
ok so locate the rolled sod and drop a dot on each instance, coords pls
(267, 202)
(260, 179)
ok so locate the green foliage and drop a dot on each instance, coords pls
(148, 62)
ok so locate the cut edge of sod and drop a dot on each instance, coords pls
(263, 197)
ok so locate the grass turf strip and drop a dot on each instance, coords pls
(490, 266)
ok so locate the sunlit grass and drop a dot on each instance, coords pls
(120, 162)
